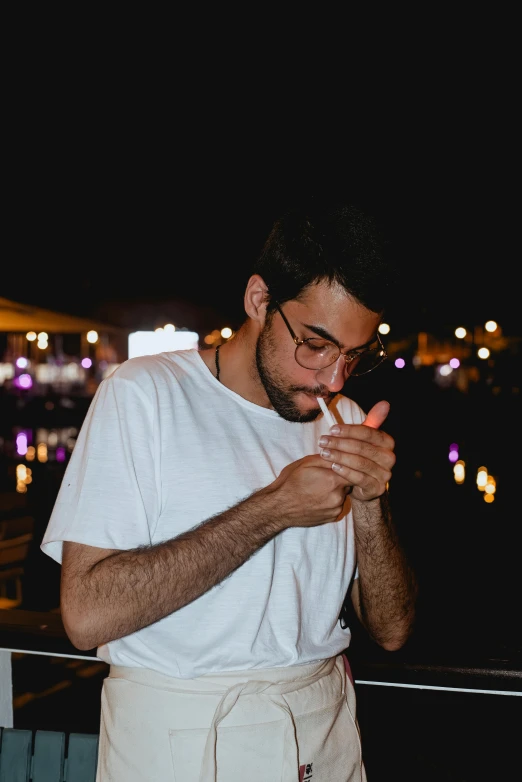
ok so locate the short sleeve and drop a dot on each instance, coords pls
(109, 495)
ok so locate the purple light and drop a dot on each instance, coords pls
(454, 363)
(454, 447)
(86, 363)
(400, 363)
(24, 381)
(21, 362)
(60, 454)
(21, 443)
(453, 456)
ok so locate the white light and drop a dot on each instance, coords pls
(21, 472)
(92, 336)
(482, 477)
(170, 327)
(43, 336)
(491, 325)
(459, 468)
(459, 471)
(148, 343)
(445, 370)
(460, 333)
(226, 332)
(7, 371)
(483, 353)
(384, 328)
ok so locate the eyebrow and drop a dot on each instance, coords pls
(326, 335)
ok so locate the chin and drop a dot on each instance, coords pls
(309, 415)
(297, 415)
(296, 408)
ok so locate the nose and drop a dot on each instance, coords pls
(335, 376)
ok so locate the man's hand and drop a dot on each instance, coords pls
(307, 494)
(362, 454)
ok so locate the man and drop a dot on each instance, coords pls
(210, 525)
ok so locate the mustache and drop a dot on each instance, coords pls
(316, 391)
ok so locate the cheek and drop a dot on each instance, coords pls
(283, 366)
(297, 376)
(278, 352)
(279, 359)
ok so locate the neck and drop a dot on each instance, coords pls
(236, 368)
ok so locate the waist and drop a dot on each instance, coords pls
(290, 677)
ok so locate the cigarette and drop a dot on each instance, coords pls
(327, 414)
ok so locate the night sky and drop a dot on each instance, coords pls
(123, 180)
(94, 228)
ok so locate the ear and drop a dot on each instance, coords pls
(256, 299)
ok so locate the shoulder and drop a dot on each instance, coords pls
(145, 381)
(139, 368)
(153, 371)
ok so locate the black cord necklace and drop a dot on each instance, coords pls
(217, 362)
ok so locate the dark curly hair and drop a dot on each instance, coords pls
(336, 242)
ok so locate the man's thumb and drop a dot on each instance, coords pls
(377, 414)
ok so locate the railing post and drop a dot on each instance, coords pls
(6, 690)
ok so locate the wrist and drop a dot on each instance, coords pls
(272, 513)
(369, 512)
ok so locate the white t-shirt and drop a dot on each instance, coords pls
(164, 446)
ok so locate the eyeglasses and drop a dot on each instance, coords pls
(318, 353)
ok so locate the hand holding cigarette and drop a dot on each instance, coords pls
(361, 453)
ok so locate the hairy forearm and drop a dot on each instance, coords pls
(129, 590)
(387, 584)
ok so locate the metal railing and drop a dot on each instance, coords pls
(38, 632)
(403, 728)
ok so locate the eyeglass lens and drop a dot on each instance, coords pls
(318, 354)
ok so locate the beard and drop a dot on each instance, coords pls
(280, 393)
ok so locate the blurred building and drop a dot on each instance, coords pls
(43, 350)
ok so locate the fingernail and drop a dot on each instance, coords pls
(335, 430)
(324, 452)
(323, 440)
